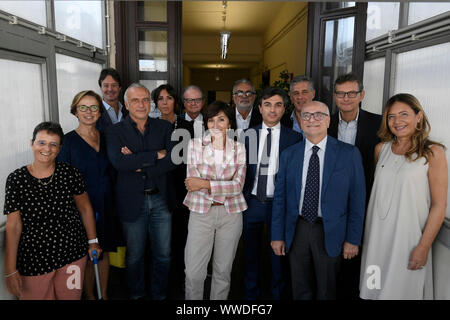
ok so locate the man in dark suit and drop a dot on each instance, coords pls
(357, 127)
(110, 85)
(259, 186)
(318, 206)
(301, 92)
(139, 148)
(244, 96)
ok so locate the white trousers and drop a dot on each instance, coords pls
(219, 230)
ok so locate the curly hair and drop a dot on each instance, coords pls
(420, 143)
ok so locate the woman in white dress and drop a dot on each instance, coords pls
(407, 205)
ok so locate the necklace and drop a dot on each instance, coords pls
(39, 179)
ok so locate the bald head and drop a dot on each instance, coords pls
(315, 120)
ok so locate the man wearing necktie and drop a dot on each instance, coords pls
(318, 206)
(270, 138)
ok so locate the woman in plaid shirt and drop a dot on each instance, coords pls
(215, 178)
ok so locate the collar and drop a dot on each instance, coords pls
(356, 119)
(277, 126)
(107, 106)
(322, 144)
(188, 118)
(238, 115)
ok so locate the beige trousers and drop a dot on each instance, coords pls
(219, 230)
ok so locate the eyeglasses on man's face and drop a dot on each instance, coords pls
(350, 94)
(241, 94)
(193, 101)
(318, 116)
(93, 108)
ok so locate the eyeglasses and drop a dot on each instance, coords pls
(193, 101)
(241, 94)
(318, 116)
(93, 108)
(350, 94)
(42, 143)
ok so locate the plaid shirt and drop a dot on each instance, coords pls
(227, 188)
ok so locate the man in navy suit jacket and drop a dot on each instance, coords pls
(314, 243)
(271, 104)
(139, 148)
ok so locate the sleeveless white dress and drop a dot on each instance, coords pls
(396, 217)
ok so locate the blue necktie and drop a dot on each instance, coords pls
(310, 208)
(261, 189)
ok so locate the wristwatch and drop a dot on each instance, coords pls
(93, 241)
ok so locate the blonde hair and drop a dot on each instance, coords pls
(420, 143)
(81, 95)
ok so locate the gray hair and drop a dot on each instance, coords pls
(298, 79)
(238, 82)
(134, 86)
(193, 86)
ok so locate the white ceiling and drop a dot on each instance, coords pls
(245, 18)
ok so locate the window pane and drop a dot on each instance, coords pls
(373, 85)
(381, 17)
(82, 20)
(421, 11)
(339, 5)
(33, 11)
(425, 73)
(337, 55)
(22, 112)
(152, 11)
(153, 51)
(73, 75)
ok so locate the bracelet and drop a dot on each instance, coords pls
(93, 241)
(11, 274)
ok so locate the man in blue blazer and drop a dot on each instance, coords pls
(139, 148)
(271, 104)
(318, 206)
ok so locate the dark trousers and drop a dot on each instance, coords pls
(257, 215)
(313, 272)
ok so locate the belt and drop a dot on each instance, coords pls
(216, 204)
(149, 192)
(318, 220)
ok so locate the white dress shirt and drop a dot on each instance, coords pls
(308, 152)
(199, 117)
(273, 161)
(347, 130)
(240, 122)
(112, 113)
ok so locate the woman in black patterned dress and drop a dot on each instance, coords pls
(50, 226)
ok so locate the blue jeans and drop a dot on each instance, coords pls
(154, 221)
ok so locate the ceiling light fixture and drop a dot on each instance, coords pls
(224, 35)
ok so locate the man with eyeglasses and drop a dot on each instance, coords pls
(110, 85)
(139, 148)
(193, 101)
(318, 206)
(301, 92)
(244, 96)
(357, 127)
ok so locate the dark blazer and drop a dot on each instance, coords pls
(105, 121)
(366, 140)
(287, 121)
(176, 188)
(130, 184)
(342, 195)
(287, 138)
(255, 118)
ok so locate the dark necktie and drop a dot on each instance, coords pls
(310, 208)
(261, 189)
